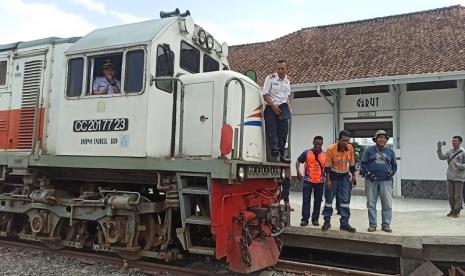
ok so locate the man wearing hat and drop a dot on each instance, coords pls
(379, 166)
(107, 84)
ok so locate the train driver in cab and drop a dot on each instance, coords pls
(107, 84)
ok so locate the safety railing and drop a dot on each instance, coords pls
(225, 113)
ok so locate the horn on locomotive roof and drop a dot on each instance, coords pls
(186, 13)
(176, 12)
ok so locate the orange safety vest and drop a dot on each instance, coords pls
(314, 170)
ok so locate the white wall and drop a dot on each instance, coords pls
(420, 131)
(304, 128)
(428, 117)
(305, 106)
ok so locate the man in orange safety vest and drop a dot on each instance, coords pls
(312, 180)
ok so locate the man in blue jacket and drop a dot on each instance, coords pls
(379, 166)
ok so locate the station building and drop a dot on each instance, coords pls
(403, 73)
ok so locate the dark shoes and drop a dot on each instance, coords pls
(305, 223)
(371, 229)
(454, 214)
(326, 226)
(283, 159)
(275, 158)
(386, 228)
(348, 228)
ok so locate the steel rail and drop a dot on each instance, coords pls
(151, 268)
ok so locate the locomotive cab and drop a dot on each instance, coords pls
(132, 113)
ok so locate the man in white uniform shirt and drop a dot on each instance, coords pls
(276, 91)
(107, 84)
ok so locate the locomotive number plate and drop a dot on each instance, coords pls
(120, 124)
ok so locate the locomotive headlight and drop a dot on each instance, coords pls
(241, 173)
(202, 36)
(210, 42)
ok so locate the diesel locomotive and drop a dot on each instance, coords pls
(169, 158)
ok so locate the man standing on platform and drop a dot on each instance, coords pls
(313, 179)
(379, 166)
(340, 169)
(276, 92)
(455, 174)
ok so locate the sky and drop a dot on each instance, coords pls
(235, 22)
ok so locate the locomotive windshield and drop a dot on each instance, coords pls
(190, 58)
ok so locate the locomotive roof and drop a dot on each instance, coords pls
(37, 42)
(123, 35)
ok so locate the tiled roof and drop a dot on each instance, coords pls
(422, 42)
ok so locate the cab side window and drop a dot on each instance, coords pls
(75, 77)
(209, 64)
(165, 67)
(106, 74)
(190, 58)
(134, 71)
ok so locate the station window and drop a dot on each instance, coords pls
(3, 72)
(75, 77)
(432, 85)
(367, 90)
(209, 64)
(190, 58)
(310, 94)
(165, 67)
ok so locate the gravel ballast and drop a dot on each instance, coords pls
(14, 261)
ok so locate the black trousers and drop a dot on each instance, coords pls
(317, 198)
(285, 188)
(276, 131)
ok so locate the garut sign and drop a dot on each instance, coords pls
(368, 102)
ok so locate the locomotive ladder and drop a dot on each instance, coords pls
(195, 202)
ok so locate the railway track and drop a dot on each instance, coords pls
(146, 267)
(296, 268)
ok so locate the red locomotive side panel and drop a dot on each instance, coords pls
(17, 126)
(241, 231)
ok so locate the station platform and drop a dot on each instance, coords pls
(421, 232)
